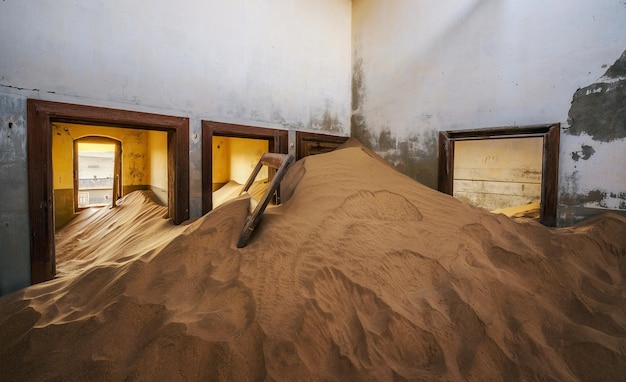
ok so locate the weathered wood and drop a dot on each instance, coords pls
(279, 161)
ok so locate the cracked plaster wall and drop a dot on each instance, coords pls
(274, 63)
(422, 67)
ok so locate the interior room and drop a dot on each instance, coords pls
(456, 209)
(230, 153)
(142, 157)
(234, 159)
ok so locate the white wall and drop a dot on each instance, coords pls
(275, 63)
(272, 63)
(431, 65)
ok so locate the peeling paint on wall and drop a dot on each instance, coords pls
(599, 110)
(584, 153)
(595, 179)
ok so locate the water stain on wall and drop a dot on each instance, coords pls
(599, 110)
(136, 171)
(415, 156)
(326, 122)
(358, 127)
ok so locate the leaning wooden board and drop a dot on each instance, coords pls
(278, 161)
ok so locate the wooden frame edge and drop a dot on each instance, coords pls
(550, 161)
(278, 144)
(40, 115)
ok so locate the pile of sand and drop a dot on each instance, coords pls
(361, 274)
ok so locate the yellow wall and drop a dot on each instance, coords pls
(157, 148)
(221, 159)
(135, 153)
(235, 158)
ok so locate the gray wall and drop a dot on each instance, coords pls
(14, 232)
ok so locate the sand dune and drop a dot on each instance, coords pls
(361, 274)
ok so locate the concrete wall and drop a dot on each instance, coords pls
(274, 63)
(424, 66)
(14, 229)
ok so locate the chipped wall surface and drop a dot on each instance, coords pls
(420, 67)
(274, 63)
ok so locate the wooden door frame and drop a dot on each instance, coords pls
(302, 137)
(40, 116)
(550, 159)
(277, 144)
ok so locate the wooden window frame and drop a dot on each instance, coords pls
(40, 116)
(277, 144)
(550, 160)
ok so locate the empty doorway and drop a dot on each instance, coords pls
(42, 115)
(97, 175)
(512, 170)
(230, 152)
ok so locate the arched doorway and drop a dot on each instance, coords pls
(97, 163)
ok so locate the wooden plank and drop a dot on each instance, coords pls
(521, 175)
(278, 161)
(530, 190)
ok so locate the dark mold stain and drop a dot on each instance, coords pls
(415, 157)
(599, 110)
(358, 127)
(327, 122)
(595, 196)
(385, 141)
(585, 153)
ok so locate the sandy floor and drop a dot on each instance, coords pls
(361, 274)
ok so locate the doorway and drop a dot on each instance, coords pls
(97, 172)
(508, 169)
(41, 116)
(251, 140)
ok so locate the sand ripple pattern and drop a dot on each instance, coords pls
(360, 275)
